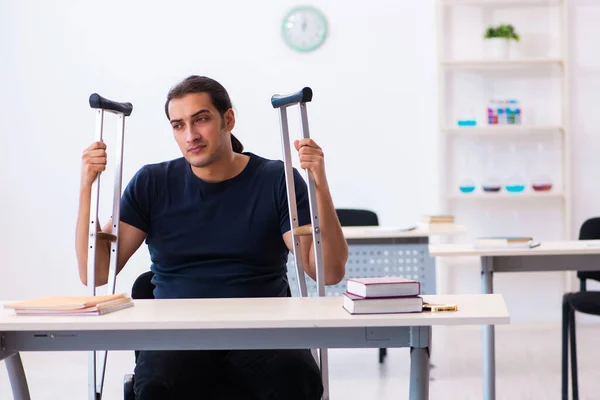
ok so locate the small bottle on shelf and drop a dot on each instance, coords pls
(541, 181)
(467, 185)
(491, 183)
(467, 118)
(492, 113)
(515, 183)
(501, 115)
(513, 110)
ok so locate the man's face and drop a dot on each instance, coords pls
(198, 128)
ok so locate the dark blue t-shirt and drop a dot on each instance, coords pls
(215, 239)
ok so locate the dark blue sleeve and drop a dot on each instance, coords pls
(302, 204)
(136, 201)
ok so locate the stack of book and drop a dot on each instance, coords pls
(429, 221)
(382, 295)
(71, 305)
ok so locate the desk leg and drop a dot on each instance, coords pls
(16, 375)
(324, 364)
(489, 362)
(420, 342)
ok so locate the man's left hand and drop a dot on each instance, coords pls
(311, 158)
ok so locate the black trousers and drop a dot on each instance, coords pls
(227, 375)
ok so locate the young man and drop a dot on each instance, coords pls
(216, 223)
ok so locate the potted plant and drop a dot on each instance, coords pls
(498, 39)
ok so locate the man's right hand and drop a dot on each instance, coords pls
(130, 237)
(93, 162)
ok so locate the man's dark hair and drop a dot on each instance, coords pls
(216, 91)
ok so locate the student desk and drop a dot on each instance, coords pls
(385, 251)
(578, 255)
(256, 323)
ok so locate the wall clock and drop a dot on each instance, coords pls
(304, 28)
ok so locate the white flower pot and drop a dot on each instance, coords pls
(496, 48)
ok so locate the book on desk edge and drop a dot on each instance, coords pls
(503, 241)
(437, 219)
(71, 305)
(102, 309)
(382, 305)
(383, 286)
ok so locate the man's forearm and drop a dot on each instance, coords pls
(82, 242)
(334, 245)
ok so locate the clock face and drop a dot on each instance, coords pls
(304, 28)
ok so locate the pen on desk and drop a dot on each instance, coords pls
(532, 245)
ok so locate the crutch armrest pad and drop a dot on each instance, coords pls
(109, 237)
(304, 230)
(281, 100)
(97, 101)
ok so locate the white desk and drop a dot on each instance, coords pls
(391, 232)
(577, 255)
(310, 322)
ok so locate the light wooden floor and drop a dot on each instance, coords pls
(527, 366)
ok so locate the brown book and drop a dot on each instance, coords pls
(504, 241)
(432, 219)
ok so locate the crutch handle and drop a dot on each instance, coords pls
(281, 100)
(109, 237)
(304, 230)
(97, 101)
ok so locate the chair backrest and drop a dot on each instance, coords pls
(589, 230)
(356, 217)
(143, 288)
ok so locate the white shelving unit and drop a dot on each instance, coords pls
(503, 130)
(481, 64)
(501, 3)
(505, 196)
(537, 75)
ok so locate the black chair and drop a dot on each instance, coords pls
(590, 230)
(357, 217)
(582, 301)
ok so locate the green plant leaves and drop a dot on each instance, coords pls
(502, 31)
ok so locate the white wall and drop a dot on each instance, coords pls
(374, 109)
(371, 112)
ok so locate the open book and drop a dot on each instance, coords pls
(72, 305)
